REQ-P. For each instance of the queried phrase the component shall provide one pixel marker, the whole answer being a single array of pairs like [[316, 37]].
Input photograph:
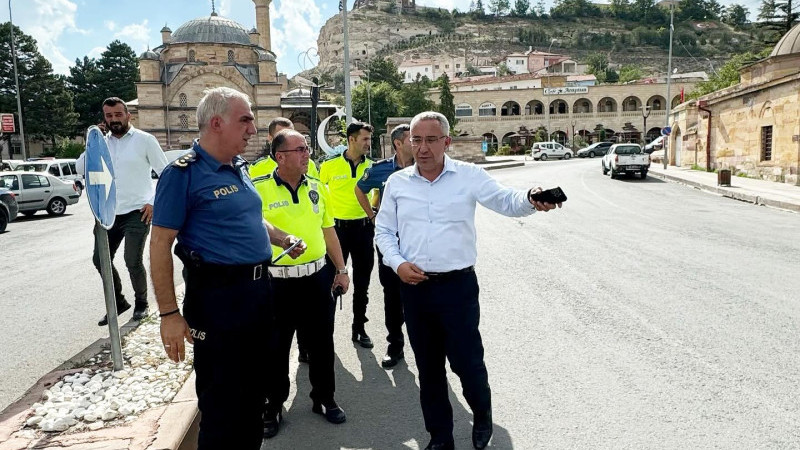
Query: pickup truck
[[626, 159]]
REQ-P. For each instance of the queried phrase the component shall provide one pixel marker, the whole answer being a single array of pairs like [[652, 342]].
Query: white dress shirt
[[133, 156], [435, 220]]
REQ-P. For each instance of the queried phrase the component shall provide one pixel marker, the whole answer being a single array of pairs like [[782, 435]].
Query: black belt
[[237, 271], [442, 275], [345, 223]]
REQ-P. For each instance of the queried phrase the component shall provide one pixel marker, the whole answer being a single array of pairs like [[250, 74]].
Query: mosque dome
[[789, 43], [264, 55], [149, 54], [298, 92], [211, 29]]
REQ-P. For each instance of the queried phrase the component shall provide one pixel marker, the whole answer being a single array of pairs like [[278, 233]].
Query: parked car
[[8, 165], [596, 149], [8, 207], [626, 159], [171, 155], [37, 191], [545, 150], [657, 144], [64, 169]]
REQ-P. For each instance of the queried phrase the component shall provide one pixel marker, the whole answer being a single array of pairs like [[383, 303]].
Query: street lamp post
[[369, 99], [573, 133], [645, 114]]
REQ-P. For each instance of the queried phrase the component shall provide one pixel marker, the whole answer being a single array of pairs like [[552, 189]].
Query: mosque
[[209, 52]]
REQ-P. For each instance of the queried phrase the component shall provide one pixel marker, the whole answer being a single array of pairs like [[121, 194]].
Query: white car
[[36, 191], [63, 169], [544, 150]]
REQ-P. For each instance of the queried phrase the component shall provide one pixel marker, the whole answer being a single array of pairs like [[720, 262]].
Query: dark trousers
[[232, 323], [304, 305], [130, 228], [355, 237], [392, 306], [442, 316]]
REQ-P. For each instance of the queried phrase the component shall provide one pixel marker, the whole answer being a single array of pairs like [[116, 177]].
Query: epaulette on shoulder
[[186, 159], [261, 178], [313, 178]]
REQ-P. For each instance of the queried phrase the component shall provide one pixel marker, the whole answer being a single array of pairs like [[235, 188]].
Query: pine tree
[[446, 105], [118, 71], [82, 82], [521, 7]]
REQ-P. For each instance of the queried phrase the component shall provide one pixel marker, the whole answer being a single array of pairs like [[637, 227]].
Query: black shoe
[[391, 360], [139, 312], [302, 356], [440, 445], [272, 424], [363, 340], [333, 412], [121, 308], [482, 431]]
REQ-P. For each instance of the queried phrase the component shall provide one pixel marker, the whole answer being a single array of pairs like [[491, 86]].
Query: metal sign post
[[101, 191]]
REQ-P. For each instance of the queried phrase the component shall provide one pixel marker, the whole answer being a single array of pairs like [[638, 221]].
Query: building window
[[184, 122], [458, 66], [437, 66], [766, 143], [231, 56], [487, 109], [182, 100], [191, 55], [426, 69], [447, 66], [463, 110]]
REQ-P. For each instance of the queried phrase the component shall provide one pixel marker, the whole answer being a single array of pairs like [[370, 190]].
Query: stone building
[[209, 52], [500, 113], [751, 128]]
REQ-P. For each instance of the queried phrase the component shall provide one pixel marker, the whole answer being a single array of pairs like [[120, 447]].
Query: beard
[[117, 127]]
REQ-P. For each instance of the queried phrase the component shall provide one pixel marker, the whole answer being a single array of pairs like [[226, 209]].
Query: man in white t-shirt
[[134, 154]]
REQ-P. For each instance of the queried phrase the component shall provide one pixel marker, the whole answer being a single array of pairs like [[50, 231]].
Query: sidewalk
[[760, 192]]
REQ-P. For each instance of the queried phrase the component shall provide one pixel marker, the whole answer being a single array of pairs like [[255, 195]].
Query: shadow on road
[[383, 412], [37, 217]]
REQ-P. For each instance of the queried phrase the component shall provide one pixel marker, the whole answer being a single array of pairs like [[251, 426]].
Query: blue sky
[[70, 29]]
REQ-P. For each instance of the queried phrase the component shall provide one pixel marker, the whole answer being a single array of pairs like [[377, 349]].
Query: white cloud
[[110, 24], [46, 21], [137, 35], [223, 7], [295, 26], [96, 52]]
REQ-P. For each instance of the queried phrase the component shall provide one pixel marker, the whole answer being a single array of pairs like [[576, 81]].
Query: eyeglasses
[[416, 141], [303, 149]]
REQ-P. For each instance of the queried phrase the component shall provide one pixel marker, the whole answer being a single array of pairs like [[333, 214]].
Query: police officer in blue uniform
[[206, 200], [375, 178]]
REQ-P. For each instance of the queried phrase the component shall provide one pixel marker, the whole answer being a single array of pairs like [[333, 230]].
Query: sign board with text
[[7, 123], [566, 90]]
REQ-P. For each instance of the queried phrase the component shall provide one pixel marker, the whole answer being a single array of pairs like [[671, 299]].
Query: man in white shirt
[[134, 154], [426, 232]]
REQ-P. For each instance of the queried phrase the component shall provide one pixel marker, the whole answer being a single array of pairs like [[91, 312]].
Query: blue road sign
[[666, 131], [484, 146], [101, 190]]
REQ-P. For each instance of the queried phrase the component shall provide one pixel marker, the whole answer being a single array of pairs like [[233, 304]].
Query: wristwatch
[[341, 271]]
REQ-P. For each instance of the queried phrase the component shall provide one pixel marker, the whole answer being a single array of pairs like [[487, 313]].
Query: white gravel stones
[[97, 397]]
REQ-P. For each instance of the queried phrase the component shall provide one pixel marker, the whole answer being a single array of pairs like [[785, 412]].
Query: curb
[[750, 198], [505, 165]]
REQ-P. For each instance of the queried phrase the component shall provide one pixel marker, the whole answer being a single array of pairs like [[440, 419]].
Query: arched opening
[[657, 103], [463, 110], [487, 109], [534, 108], [491, 142], [607, 105], [182, 100], [510, 108], [652, 134], [676, 101], [191, 55], [631, 103], [559, 107], [560, 137], [231, 56], [582, 106]]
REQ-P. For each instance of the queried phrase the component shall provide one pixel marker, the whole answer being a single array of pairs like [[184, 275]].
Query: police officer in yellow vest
[[302, 286], [354, 228], [266, 165]]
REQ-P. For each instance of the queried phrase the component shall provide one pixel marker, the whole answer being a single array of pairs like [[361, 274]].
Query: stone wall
[[466, 148]]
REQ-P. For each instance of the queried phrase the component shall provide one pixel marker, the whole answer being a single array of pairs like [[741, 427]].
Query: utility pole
[[16, 83], [669, 79], [645, 114], [369, 97], [348, 100]]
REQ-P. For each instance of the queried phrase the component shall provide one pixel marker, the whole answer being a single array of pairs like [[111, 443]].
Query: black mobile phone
[[554, 195]]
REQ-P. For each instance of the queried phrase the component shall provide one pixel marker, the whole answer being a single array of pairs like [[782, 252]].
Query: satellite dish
[[322, 142]]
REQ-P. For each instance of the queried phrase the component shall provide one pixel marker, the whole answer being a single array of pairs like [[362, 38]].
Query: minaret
[[262, 23]]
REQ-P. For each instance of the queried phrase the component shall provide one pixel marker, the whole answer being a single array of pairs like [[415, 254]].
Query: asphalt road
[[644, 314]]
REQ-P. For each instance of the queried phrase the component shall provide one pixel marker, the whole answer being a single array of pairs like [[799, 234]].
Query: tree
[[383, 101], [499, 7], [479, 11], [597, 65], [779, 15], [446, 105], [87, 100], [415, 97], [46, 103], [621, 9], [735, 15], [503, 70], [521, 7], [540, 9], [384, 70], [118, 71], [695, 10], [629, 72], [728, 74]]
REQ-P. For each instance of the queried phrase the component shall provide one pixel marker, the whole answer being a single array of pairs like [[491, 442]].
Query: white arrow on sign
[[103, 177]]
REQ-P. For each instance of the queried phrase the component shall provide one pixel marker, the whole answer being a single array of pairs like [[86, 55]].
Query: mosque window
[[191, 55], [182, 100], [184, 121], [230, 56], [766, 143]]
